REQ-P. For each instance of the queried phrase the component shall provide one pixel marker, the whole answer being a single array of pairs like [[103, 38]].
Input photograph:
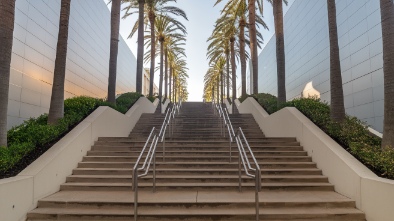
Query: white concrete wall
[[164, 106], [43, 177], [373, 195]]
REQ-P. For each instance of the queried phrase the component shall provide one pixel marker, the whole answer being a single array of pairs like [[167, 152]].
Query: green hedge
[[351, 134], [36, 132]]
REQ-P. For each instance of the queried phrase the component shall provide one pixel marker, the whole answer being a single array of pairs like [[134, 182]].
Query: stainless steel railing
[[150, 155], [249, 170], [244, 155]]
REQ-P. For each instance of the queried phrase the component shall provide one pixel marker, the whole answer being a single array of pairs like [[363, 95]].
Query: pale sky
[[202, 16]]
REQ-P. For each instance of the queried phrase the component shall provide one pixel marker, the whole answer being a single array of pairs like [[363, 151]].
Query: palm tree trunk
[[242, 55], [217, 90], [387, 16], [234, 76], [113, 55], [253, 44], [280, 50], [169, 89], [175, 88], [222, 87], [337, 104], [228, 73], [161, 74], [56, 110], [140, 49], [152, 52], [166, 73], [7, 12]]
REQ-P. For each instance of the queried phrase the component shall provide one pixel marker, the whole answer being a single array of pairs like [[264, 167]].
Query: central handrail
[[154, 137], [243, 159]]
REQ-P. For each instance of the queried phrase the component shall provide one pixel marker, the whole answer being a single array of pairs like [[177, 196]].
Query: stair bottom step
[[322, 214]]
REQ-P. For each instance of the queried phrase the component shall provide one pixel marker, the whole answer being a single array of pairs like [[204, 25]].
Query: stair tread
[[198, 211]]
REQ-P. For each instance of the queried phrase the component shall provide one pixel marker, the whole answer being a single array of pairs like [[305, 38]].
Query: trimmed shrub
[[352, 134], [35, 134]]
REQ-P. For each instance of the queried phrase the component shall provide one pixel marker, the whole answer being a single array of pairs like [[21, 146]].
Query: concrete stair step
[[201, 165], [199, 158], [127, 139], [197, 186], [195, 178], [187, 171], [200, 153], [192, 147]]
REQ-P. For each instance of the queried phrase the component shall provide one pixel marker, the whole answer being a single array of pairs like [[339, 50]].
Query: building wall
[[34, 52], [307, 55]]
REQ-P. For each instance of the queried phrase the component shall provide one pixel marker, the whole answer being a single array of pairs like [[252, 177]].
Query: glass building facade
[[34, 52], [308, 56]]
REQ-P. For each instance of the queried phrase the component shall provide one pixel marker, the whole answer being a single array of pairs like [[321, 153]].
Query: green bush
[[352, 134], [34, 133], [151, 98]]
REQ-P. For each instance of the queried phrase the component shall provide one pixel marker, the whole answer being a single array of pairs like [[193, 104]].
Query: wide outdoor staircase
[[196, 180]]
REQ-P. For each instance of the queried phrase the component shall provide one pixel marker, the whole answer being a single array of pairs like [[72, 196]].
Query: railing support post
[[135, 187], [239, 172]]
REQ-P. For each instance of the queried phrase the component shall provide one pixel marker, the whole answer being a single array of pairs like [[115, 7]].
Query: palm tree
[[237, 10], [213, 78], [168, 32], [387, 16], [253, 44], [113, 55], [337, 104], [166, 28], [56, 109], [140, 49], [152, 8], [7, 11], [219, 46], [280, 49]]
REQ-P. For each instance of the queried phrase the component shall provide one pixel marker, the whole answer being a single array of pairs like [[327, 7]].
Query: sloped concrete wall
[[43, 177], [373, 195]]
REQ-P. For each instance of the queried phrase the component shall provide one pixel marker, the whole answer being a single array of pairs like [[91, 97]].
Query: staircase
[[196, 181]]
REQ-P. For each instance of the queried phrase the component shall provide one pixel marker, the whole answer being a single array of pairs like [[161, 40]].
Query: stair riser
[[191, 166], [154, 206], [120, 172], [198, 180], [194, 159], [205, 188], [200, 154]]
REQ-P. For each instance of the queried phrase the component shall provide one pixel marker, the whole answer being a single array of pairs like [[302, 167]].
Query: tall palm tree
[[167, 28], [219, 46], [152, 9], [280, 49], [140, 49], [337, 104], [7, 12], [113, 55], [238, 11], [387, 17], [56, 109], [167, 31], [213, 78], [253, 42]]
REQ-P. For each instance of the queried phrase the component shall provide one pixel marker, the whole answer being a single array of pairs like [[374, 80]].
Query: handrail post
[[164, 149], [239, 173], [135, 187], [257, 197], [230, 149], [154, 171]]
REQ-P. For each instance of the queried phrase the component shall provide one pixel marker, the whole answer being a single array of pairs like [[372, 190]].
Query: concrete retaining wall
[[43, 177], [373, 195]]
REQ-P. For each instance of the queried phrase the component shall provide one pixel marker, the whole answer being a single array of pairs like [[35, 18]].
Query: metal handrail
[[153, 139], [240, 139], [243, 157]]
